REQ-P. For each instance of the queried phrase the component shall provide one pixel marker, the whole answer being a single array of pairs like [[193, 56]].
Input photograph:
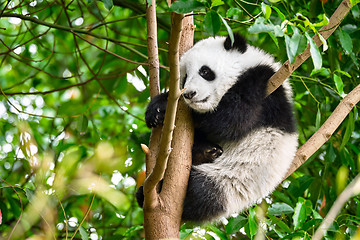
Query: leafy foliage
[[72, 115]]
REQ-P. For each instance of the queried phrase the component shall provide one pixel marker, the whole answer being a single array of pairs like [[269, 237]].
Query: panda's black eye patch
[[206, 73]]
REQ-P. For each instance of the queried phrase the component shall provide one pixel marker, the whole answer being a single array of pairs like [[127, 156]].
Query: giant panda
[[244, 140]]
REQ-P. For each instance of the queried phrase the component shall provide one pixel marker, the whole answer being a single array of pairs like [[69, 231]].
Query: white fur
[[211, 52], [251, 169]]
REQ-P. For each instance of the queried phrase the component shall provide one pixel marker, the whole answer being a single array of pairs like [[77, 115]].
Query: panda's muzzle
[[189, 95]]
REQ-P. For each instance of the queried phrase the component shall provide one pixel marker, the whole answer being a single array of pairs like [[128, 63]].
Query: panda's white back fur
[[262, 160]]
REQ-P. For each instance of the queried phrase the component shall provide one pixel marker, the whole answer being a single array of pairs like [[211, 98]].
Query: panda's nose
[[189, 95]]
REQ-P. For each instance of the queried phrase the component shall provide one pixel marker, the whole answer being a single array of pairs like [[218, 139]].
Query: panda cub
[[244, 140]]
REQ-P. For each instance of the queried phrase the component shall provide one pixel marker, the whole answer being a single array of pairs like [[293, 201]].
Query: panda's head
[[212, 66]]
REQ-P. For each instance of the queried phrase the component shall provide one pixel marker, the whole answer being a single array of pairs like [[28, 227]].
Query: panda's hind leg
[[205, 199]]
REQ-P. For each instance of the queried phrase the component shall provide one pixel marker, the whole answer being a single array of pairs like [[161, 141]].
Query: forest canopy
[[74, 85]]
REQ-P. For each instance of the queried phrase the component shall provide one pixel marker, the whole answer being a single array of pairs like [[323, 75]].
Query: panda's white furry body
[[244, 141]]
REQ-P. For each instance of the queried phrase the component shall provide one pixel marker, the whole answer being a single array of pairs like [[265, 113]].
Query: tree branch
[[154, 85], [154, 82], [286, 69], [351, 190], [326, 130], [162, 212], [169, 122]]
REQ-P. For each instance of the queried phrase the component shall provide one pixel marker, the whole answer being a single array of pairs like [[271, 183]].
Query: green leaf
[[339, 84], [292, 45], [84, 235], [280, 223], [330, 155], [230, 32], [212, 22], [259, 26], [186, 6], [316, 215], [252, 222], [299, 216], [82, 124], [342, 177], [149, 2], [218, 232], [322, 39], [281, 196], [266, 9], [272, 35], [215, 3], [315, 53], [29, 194], [349, 130], [133, 229], [185, 233], [318, 118], [108, 4], [343, 73], [354, 2], [281, 15], [233, 13], [323, 22], [280, 208], [345, 41], [235, 224]]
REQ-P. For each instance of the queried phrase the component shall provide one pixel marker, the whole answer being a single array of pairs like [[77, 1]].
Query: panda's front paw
[[154, 117], [205, 152], [155, 112], [214, 152]]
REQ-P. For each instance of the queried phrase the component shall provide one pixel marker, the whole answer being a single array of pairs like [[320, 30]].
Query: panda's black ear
[[239, 43]]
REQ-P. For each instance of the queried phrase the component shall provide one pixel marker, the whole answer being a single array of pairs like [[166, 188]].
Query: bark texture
[[162, 211]]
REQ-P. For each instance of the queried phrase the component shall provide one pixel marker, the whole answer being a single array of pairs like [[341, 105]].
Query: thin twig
[[351, 190], [83, 219]]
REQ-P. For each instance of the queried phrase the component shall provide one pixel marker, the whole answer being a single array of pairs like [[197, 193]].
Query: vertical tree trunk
[[162, 211]]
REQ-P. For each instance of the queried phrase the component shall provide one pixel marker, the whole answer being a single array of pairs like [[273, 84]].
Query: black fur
[[155, 112], [239, 43], [140, 196], [208, 195], [246, 101], [206, 73]]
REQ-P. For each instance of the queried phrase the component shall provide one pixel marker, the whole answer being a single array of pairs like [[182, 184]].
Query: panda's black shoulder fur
[[245, 107]]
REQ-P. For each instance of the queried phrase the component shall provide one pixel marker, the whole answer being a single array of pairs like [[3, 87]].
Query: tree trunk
[[162, 211]]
